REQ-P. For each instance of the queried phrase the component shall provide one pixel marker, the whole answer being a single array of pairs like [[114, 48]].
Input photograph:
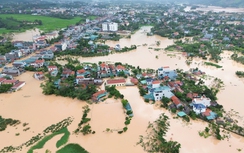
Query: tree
[[124, 102], [5, 88], [48, 88]]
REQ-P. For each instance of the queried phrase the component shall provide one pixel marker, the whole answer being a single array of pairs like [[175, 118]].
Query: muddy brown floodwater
[[31, 106], [26, 36]]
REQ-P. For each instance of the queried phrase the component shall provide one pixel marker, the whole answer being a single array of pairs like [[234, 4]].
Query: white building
[[160, 92], [113, 26], [203, 100], [105, 26], [110, 26]]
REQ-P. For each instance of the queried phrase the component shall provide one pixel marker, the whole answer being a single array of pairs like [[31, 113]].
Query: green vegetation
[[64, 139], [212, 64], [240, 74], [67, 88], [10, 23], [239, 59], [72, 148], [8, 121], [6, 48], [155, 140], [61, 142], [5, 88], [86, 129], [52, 130], [47, 23], [113, 92]]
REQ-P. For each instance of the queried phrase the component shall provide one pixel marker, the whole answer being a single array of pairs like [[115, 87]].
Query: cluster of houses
[[8, 79], [157, 89]]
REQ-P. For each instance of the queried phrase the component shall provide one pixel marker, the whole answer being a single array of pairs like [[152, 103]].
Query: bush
[[146, 100], [127, 122], [125, 129], [120, 132]]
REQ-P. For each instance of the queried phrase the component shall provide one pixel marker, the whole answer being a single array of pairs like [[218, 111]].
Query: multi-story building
[[110, 26]]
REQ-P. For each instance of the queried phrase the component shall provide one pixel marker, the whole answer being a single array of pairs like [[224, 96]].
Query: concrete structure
[[11, 71], [166, 71], [110, 26], [199, 108], [98, 95]]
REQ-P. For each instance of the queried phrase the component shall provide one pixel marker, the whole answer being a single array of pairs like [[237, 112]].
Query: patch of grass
[[72, 148], [48, 23], [41, 143], [212, 64], [64, 138]]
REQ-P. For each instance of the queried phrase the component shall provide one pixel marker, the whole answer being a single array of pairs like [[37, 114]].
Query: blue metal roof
[[199, 106]]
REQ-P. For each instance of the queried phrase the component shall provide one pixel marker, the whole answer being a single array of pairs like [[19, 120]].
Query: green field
[[62, 141], [48, 23], [72, 148]]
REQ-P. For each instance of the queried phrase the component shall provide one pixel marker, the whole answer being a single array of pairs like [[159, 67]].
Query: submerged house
[[176, 101], [199, 108], [158, 93], [128, 108], [115, 82], [96, 97]]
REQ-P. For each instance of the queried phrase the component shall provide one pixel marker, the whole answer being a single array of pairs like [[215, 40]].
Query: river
[[31, 106]]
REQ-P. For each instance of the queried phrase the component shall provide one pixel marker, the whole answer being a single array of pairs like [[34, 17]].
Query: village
[[55, 60]]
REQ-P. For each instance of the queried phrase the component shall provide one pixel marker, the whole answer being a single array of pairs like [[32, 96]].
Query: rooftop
[[115, 81]]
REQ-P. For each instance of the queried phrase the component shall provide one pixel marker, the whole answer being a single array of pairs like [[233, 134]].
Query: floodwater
[[26, 36], [31, 106], [216, 9]]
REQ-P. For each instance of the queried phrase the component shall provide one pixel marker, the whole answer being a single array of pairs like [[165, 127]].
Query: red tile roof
[[81, 71], [207, 112], [98, 93], [175, 100], [9, 81], [103, 65], [18, 84], [115, 81], [39, 73], [40, 61], [2, 79], [52, 67], [134, 80], [156, 82], [120, 67]]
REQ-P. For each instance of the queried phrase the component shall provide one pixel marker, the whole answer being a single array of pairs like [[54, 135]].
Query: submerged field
[[48, 23]]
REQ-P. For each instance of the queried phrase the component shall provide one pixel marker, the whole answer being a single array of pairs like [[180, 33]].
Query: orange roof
[[40, 61], [52, 66], [79, 77], [40, 73], [115, 81], [175, 100], [9, 81], [207, 112], [120, 67], [98, 93], [156, 82], [166, 67], [81, 71], [103, 65]]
